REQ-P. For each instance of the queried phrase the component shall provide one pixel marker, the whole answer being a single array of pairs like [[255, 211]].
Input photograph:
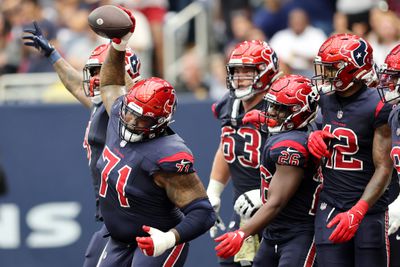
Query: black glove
[[37, 40]]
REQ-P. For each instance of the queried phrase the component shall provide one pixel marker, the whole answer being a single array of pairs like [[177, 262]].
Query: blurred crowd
[[294, 28]]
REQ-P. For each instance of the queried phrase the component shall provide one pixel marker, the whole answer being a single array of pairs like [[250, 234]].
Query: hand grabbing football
[[111, 22]]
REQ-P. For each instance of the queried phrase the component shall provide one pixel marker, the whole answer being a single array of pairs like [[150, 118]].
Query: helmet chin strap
[[273, 126], [96, 99], [244, 94], [129, 136], [391, 95]]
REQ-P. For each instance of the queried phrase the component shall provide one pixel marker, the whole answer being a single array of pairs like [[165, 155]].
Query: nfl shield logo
[[323, 206], [339, 114], [398, 131]]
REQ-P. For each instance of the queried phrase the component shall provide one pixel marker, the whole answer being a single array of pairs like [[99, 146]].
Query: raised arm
[[72, 80], [112, 77], [70, 77], [112, 74]]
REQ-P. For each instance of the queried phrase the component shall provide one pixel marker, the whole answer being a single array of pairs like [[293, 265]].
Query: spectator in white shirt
[[297, 45]]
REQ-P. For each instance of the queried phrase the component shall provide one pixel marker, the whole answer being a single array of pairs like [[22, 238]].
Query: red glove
[[348, 222], [120, 43], [316, 143], [252, 117], [231, 243]]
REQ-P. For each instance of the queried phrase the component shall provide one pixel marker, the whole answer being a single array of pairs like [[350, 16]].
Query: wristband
[[120, 47], [215, 188], [54, 56]]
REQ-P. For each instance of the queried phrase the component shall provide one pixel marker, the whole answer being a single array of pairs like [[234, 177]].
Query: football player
[[151, 199], [389, 89], [252, 67], [289, 180], [351, 219], [86, 90]]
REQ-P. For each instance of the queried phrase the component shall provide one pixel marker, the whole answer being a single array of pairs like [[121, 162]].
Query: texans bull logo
[[360, 53], [135, 63]]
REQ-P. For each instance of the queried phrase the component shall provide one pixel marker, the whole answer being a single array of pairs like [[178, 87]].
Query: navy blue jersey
[[242, 144], [349, 168], [129, 197], [290, 148], [95, 138]]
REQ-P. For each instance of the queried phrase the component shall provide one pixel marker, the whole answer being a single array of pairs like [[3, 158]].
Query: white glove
[[214, 191], [219, 224], [394, 216], [157, 243], [248, 203], [120, 44]]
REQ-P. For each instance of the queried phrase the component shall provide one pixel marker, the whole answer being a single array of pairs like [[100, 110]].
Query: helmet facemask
[[327, 76], [91, 82], [243, 80], [278, 116], [135, 127], [389, 85], [291, 103]]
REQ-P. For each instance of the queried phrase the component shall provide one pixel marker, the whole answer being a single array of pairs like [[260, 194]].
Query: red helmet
[[256, 55], [342, 60], [291, 103], [389, 76], [91, 71], [147, 109]]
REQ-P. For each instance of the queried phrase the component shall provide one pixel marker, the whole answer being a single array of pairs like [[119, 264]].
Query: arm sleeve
[[199, 217]]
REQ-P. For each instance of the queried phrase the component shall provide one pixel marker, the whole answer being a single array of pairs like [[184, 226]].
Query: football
[[109, 21]]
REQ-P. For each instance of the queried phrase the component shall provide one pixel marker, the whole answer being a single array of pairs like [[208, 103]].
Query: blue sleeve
[[199, 217]]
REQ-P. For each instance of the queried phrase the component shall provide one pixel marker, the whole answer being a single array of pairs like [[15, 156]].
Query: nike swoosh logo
[[290, 150], [351, 218], [397, 237]]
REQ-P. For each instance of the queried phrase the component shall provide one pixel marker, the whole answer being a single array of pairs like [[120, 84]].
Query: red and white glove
[[348, 222], [121, 43], [157, 243], [316, 143], [231, 243], [252, 117]]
